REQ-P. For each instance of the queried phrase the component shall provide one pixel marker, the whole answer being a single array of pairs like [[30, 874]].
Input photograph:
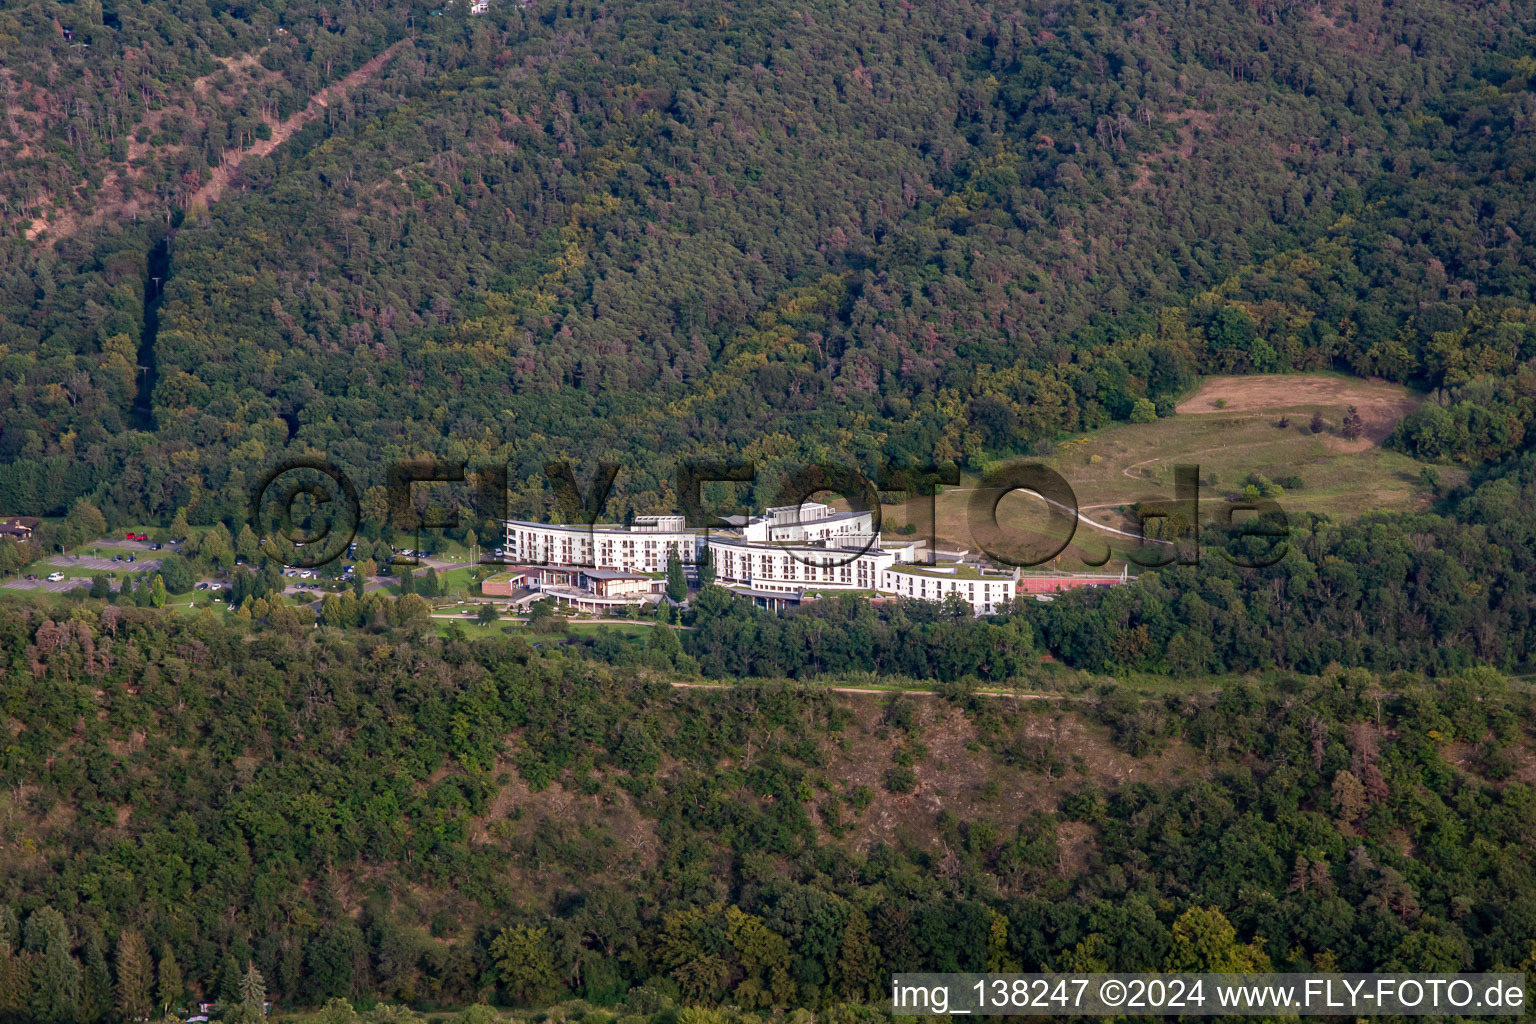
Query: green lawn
[[1128, 462]]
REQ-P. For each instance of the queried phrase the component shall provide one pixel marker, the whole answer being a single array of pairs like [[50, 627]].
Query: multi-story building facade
[[785, 568], [984, 590], [781, 556], [643, 546]]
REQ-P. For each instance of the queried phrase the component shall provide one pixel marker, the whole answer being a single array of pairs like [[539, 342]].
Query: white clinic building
[[644, 546], [790, 569], [985, 591], [779, 557]]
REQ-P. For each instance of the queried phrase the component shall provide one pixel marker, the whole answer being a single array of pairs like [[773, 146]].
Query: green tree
[[14, 970], [428, 584], [1353, 425], [85, 522], [228, 990], [337, 1011], [157, 594], [170, 989], [525, 963], [216, 547], [1204, 940], [95, 977], [135, 976], [1349, 798], [677, 584], [334, 956], [247, 545], [253, 990], [178, 573], [1143, 411], [487, 614], [858, 960], [55, 972]]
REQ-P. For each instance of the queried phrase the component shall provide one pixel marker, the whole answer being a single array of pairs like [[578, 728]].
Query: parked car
[[129, 558], [55, 577], [202, 586], [31, 575]]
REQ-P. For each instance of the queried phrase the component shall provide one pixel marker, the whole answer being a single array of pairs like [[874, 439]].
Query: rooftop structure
[[775, 558], [19, 527]]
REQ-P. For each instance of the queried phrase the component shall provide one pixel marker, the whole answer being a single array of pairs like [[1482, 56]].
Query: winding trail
[[1100, 526]]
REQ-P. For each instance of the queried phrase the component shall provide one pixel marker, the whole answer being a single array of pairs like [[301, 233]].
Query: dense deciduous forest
[[382, 815], [557, 230], [856, 232]]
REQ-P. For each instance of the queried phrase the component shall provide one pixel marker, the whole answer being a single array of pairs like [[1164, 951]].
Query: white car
[[55, 577]]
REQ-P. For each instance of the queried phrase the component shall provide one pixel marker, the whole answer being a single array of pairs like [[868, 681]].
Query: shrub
[[901, 779]]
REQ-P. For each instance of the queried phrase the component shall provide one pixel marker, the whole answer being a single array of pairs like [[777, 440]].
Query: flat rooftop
[[954, 571], [636, 531]]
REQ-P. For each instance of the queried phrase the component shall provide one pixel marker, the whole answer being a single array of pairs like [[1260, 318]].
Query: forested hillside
[[116, 111], [377, 814], [774, 231], [843, 230]]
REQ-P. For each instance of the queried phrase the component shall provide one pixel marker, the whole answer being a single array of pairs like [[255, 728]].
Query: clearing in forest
[[1231, 427]]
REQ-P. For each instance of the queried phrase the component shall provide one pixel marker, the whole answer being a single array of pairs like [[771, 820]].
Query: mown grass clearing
[[1231, 427]]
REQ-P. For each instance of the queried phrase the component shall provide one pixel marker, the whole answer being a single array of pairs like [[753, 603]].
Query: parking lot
[[105, 564], [44, 584], [130, 545]]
